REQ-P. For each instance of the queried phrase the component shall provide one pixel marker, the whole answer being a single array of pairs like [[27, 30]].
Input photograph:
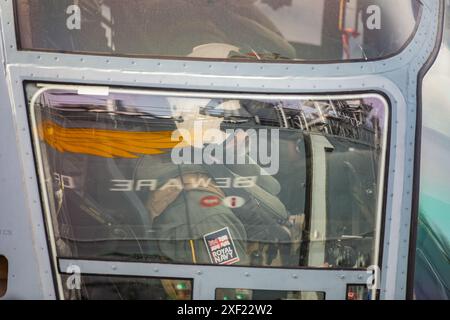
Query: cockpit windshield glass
[[222, 179], [249, 30]]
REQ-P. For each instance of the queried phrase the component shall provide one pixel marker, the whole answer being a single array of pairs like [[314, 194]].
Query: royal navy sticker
[[221, 248]]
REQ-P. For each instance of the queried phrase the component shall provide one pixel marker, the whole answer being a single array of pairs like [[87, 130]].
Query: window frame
[[217, 60], [381, 202]]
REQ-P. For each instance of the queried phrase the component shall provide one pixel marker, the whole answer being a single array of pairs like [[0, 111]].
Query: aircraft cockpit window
[[251, 294], [249, 30], [221, 179], [128, 288]]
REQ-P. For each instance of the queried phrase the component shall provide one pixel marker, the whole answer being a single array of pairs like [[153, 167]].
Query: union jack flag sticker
[[221, 248]]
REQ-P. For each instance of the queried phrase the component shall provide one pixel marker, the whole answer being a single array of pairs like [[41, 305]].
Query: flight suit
[[185, 224], [181, 221]]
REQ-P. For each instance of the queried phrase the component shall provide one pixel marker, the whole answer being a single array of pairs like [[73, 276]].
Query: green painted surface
[[432, 276]]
